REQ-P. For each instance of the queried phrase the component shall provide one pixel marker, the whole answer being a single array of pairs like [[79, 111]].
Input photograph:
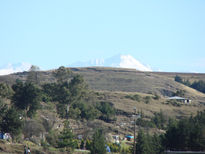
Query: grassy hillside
[[118, 79], [126, 89]]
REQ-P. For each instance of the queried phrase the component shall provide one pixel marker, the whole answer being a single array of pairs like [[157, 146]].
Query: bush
[[108, 111], [147, 99], [114, 147], [135, 97]]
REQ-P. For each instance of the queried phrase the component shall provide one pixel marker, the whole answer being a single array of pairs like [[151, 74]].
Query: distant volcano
[[122, 61]]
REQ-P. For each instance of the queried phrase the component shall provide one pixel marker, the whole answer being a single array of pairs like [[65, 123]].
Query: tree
[[143, 146], [33, 75], [178, 79], [78, 89], [66, 138], [186, 134], [11, 122], [27, 97], [107, 110], [98, 143], [62, 74], [3, 109], [159, 120], [157, 146], [5, 90], [83, 110], [199, 85]]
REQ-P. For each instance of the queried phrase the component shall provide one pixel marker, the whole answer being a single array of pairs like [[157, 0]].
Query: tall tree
[[98, 143], [78, 89], [27, 97], [33, 75], [66, 138], [142, 145]]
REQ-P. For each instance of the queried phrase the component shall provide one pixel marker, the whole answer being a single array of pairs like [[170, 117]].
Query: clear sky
[[165, 34]]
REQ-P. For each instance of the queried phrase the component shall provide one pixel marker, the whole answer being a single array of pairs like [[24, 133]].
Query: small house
[[180, 99]]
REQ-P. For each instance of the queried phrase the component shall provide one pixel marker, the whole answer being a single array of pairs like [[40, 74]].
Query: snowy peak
[[13, 68], [128, 61], [122, 61]]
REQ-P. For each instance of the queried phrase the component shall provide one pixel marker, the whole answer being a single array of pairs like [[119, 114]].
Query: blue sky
[[167, 35]]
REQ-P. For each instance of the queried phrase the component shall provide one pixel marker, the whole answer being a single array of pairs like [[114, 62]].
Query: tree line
[[187, 134], [198, 85]]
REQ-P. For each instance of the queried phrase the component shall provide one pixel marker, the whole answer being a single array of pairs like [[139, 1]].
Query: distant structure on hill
[[181, 99]]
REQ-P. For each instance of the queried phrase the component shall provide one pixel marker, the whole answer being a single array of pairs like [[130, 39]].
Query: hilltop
[[121, 79]]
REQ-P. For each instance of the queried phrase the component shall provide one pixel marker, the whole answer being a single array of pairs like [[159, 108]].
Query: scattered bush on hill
[[135, 97]]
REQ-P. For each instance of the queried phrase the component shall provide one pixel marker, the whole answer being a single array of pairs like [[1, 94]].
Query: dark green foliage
[[157, 145], [180, 93], [52, 138], [5, 91], [33, 75], [147, 99], [84, 111], [98, 143], [145, 123], [156, 97], [135, 97], [187, 83], [88, 144], [11, 122], [82, 144], [71, 97], [49, 92], [142, 144], [108, 111], [147, 144], [66, 138], [61, 109], [187, 134], [199, 85], [3, 108], [78, 89], [178, 79], [159, 120], [114, 147], [62, 74], [26, 97]]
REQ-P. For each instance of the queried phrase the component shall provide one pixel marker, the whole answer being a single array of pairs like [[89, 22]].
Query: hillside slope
[[125, 80]]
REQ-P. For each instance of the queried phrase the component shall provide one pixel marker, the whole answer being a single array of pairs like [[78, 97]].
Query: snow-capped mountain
[[122, 61], [13, 68]]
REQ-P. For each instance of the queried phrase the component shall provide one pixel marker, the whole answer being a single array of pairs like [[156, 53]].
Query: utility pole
[[134, 130]]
